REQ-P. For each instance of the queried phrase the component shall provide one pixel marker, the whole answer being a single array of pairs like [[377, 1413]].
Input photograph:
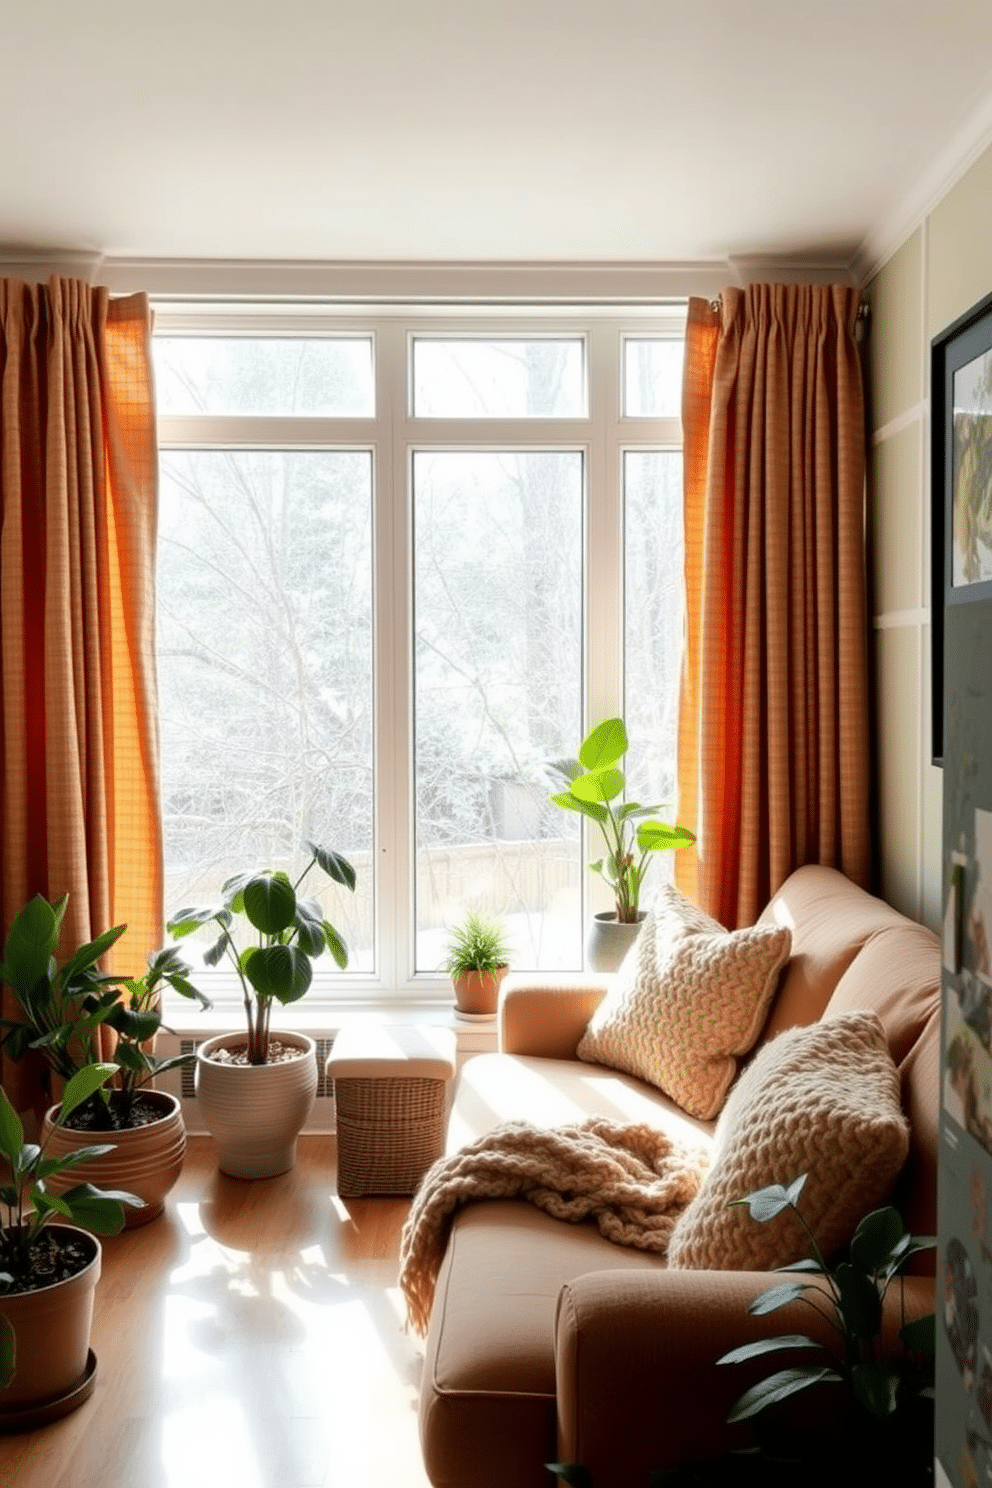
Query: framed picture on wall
[[960, 482]]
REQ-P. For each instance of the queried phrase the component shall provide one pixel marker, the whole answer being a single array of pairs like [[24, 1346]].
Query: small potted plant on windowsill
[[477, 960], [64, 1010], [594, 787], [48, 1267], [256, 1089]]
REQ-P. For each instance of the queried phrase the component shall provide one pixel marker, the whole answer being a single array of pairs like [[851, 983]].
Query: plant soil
[[104, 1117], [278, 1053], [52, 1258]]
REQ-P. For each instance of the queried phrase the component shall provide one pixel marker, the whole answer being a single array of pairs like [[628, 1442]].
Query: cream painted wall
[[937, 274]]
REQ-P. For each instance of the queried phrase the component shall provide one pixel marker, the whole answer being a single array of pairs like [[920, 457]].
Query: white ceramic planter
[[146, 1160], [255, 1112], [609, 940]]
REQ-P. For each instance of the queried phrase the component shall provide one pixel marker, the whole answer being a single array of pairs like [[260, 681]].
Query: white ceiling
[[612, 131]]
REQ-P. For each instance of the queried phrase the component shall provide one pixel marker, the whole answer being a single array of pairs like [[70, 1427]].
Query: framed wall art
[[960, 482]]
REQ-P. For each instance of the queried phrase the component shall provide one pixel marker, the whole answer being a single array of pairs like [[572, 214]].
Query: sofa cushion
[[689, 1001], [821, 1100]]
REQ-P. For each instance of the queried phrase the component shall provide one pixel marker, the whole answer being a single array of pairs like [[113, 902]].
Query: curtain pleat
[[79, 793], [773, 733]]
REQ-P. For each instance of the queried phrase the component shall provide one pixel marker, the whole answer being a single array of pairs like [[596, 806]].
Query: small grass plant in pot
[[594, 787], [50, 1262], [477, 960], [77, 1016], [256, 1088]]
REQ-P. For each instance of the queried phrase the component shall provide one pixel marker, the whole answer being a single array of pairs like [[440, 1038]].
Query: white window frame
[[393, 434]]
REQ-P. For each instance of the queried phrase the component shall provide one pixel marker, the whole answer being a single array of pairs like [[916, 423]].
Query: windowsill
[[318, 1018]]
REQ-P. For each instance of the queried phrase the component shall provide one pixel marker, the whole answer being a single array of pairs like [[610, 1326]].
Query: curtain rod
[[864, 309]]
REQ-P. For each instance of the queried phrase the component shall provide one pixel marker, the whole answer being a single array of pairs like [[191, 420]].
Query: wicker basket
[[390, 1131]]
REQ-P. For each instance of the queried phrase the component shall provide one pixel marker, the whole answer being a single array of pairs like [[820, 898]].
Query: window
[[403, 564]]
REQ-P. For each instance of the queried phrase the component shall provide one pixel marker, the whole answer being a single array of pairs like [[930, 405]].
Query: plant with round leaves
[[28, 1205], [595, 785], [288, 932], [63, 1008]]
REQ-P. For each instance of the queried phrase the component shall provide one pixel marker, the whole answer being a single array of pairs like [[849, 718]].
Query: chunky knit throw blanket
[[632, 1180]]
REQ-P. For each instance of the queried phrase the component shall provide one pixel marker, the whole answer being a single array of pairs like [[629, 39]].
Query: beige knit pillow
[[688, 1002], [821, 1100]]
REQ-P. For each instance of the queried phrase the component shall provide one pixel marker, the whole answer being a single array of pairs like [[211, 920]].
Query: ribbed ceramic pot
[[477, 992], [609, 940], [255, 1112], [52, 1339], [146, 1160]]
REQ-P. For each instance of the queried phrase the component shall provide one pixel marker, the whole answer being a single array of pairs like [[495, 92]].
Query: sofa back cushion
[[830, 919]]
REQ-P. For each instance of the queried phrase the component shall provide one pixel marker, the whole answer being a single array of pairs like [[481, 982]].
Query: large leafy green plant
[[27, 1205], [595, 787], [65, 1006], [287, 932]]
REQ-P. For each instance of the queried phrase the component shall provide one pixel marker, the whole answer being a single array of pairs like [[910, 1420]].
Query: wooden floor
[[250, 1338]]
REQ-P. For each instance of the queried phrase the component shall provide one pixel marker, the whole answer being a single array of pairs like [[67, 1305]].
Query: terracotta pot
[[146, 1160], [255, 1112], [609, 940], [55, 1370], [477, 992]]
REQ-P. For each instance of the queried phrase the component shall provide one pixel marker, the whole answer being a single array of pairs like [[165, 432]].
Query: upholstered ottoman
[[391, 1102]]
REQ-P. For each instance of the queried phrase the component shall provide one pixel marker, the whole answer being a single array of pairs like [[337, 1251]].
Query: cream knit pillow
[[821, 1100], [688, 1002]]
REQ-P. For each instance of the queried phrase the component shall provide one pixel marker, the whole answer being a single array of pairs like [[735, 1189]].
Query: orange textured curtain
[[773, 729], [79, 790]]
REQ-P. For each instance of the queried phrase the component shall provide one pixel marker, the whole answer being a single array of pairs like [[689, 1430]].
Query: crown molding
[[954, 161]]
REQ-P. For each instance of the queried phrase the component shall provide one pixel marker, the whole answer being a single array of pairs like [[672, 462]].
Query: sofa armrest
[[635, 1351], [547, 1015]]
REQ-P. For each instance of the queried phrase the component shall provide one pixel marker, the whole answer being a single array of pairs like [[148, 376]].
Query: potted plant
[[65, 1007], [49, 1268], [887, 1396], [595, 785], [256, 1090], [477, 960]]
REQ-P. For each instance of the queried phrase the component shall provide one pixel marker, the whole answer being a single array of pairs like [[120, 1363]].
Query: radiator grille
[[325, 1087]]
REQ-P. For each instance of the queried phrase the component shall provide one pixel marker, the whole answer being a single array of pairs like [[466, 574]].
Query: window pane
[[498, 669], [317, 377], [498, 379], [653, 604], [652, 377], [265, 672]]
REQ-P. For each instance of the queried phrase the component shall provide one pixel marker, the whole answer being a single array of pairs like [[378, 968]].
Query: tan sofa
[[548, 1342]]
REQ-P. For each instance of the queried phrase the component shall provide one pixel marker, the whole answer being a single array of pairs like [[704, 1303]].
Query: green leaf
[[310, 935], [598, 785], [99, 1210], [132, 1024], [779, 1387], [84, 1083], [779, 1296], [592, 809], [87, 955], [188, 921], [606, 744], [875, 1238], [572, 1473], [68, 1160], [919, 1336], [185, 988], [270, 902], [334, 865], [215, 953], [279, 971], [859, 1304], [11, 1131], [31, 943], [876, 1387], [336, 945], [768, 1203], [769, 1346], [652, 835]]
